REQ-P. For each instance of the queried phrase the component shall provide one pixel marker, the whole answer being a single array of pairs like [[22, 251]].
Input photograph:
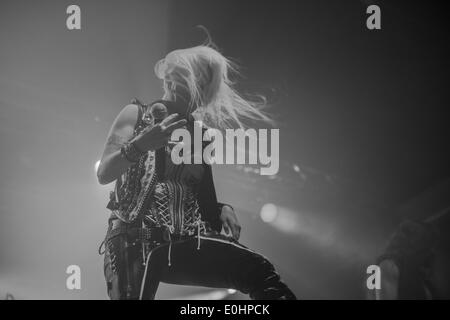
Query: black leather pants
[[215, 262]]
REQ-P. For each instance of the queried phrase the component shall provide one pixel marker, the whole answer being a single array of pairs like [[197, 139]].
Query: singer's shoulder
[[130, 111], [128, 115]]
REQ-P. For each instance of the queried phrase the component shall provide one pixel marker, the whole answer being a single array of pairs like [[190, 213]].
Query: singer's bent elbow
[[102, 176], [102, 180]]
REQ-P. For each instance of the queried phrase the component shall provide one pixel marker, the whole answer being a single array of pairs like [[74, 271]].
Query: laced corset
[[183, 199], [174, 200]]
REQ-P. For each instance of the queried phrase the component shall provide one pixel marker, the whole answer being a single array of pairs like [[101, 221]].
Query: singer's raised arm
[[122, 148], [112, 164]]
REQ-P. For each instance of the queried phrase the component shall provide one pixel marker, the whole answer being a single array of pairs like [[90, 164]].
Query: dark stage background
[[363, 118]]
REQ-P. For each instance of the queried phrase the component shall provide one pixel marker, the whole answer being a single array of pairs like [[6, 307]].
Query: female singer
[[166, 224]]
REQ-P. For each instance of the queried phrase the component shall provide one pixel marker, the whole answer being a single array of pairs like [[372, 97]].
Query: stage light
[[296, 168], [97, 164], [269, 212], [304, 224]]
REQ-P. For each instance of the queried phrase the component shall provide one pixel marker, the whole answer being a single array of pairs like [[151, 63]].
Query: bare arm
[[112, 164]]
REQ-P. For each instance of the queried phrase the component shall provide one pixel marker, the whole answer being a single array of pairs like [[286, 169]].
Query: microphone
[[159, 112]]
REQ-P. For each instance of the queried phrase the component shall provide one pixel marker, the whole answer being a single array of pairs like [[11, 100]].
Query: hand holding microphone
[[158, 135]]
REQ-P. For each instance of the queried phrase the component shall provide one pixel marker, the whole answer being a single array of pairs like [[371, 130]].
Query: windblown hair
[[204, 74]]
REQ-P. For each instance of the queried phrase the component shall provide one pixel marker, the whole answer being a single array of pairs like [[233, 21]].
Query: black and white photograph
[[229, 150]]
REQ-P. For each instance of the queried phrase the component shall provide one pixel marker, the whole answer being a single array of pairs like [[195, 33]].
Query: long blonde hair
[[204, 73]]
